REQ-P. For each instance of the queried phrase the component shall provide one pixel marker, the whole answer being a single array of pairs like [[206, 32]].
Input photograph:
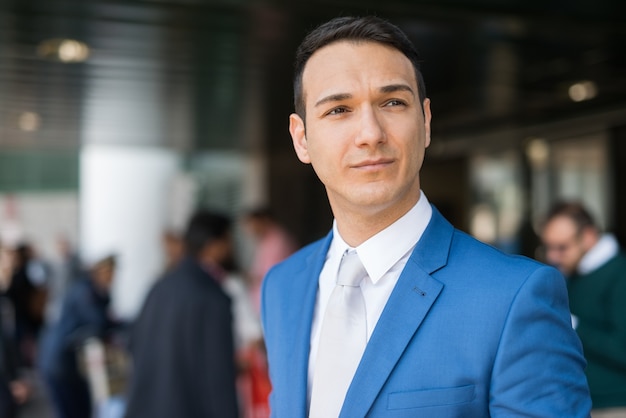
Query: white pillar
[[124, 194], [134, 130]]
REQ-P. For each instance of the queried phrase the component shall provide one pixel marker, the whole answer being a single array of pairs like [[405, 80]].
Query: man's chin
[[564, 271]]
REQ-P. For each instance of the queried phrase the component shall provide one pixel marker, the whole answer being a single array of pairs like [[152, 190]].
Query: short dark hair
[[573, 210], [205, 227], [356, 29], [262, 213], [108, 261]]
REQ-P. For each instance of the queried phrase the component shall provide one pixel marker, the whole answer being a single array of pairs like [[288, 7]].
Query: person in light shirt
[[453, 327]]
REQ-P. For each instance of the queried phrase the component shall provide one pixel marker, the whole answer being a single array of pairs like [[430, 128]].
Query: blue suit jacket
[[467, 332]]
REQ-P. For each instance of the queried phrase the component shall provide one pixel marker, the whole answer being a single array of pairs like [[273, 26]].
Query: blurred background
[[118, 118]]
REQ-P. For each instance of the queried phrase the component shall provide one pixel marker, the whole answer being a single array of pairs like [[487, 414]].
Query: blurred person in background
[[272, 242], [84, 314], [64, 271], [27, 291], [8, 372], [596, 272], [182, 341], [173, 248], [13, 390], [247, 333]]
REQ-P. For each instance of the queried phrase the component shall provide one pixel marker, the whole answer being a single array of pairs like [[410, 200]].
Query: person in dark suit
[[447, 326], [182, 341]]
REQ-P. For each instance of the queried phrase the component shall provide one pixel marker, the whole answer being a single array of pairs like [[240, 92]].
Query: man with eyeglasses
[[596, 272]]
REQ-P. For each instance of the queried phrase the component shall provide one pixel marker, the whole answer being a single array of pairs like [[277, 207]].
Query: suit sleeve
[[539, 368]]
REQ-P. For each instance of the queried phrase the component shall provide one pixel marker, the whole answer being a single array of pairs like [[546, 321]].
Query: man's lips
[[373, 164]]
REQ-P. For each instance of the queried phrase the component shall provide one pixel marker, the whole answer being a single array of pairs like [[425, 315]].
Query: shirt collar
[[604, 250], [382, 251]]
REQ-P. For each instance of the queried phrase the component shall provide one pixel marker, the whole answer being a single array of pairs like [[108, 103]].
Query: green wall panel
[[38, 171]]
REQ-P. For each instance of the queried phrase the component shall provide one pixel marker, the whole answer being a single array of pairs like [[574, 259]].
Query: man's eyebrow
[[344, 96], [396, 87], [333, 98]]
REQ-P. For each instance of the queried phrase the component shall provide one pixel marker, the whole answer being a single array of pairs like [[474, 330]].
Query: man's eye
[[337, 111], [395, 102]]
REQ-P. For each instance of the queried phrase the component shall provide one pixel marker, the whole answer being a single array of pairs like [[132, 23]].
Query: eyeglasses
[[562, 246]]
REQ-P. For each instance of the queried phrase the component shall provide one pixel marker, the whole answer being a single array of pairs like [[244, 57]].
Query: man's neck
[[357, 226]]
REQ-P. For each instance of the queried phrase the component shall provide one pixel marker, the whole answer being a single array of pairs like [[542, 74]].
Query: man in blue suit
[[454, 328]]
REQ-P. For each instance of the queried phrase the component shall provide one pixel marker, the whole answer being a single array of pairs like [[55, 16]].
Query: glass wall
[[512, 190]]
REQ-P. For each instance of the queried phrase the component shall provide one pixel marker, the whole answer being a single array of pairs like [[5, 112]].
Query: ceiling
[[202, 74]]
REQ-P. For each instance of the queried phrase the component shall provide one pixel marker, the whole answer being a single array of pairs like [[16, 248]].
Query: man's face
[[365, 133], [254, 227], [218, 251], [103, 276], [564, 244]]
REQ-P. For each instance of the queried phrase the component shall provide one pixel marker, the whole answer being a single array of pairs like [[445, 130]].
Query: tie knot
[[351, 270]]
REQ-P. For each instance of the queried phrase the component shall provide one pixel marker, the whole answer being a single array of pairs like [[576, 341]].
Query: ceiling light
[[64, 50], [29, 121], [537, 151], [583, 90]]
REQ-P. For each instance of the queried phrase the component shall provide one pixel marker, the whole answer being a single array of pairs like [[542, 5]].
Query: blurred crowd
[[31, 291], [195, 349], [48, 311]]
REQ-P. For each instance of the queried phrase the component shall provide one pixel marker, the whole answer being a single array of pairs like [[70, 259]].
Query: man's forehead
[[330, 58], [336, 47], [561, 224]]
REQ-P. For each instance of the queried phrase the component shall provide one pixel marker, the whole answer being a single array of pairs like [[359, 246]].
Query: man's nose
[[553, 256], [371, 128]]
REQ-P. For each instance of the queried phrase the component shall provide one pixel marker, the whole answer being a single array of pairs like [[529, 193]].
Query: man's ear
[[589, 237], [298, 136], [427, 118]]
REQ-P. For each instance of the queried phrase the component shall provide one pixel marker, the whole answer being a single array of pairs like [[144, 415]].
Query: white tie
[[342, 340]]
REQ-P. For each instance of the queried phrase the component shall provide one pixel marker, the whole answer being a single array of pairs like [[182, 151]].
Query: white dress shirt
[[384, 256]]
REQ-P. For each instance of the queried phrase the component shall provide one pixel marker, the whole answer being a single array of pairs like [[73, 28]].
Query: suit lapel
[[301, 306], [408, 305]]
